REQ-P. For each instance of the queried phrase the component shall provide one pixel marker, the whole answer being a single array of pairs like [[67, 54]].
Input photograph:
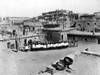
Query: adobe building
[[8, 43], [55, 35], [32, 26], [85, 37], [56, 25], [87, 23], [32, 31], [88, 29], [73, 17]]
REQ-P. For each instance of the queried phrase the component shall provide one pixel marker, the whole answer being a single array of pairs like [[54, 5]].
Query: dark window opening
[[79, 24], [30, 42], [73, 38], [33, 28], [94, 23], [74, 25], [88, 23], [14, 32], [25, 42], [50, 35], [3, 18], [62, 37], [85, 39], [8, 45]]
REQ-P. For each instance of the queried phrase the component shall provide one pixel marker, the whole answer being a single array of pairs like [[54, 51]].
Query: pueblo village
[[57, 42]]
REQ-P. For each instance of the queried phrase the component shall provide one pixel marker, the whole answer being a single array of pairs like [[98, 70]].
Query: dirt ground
[[29, 63]]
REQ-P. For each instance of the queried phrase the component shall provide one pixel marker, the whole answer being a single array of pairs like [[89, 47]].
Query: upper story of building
[[57, 18], [13, 20]]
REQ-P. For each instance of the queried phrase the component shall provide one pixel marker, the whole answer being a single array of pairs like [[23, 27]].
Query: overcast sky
[[31, 8]]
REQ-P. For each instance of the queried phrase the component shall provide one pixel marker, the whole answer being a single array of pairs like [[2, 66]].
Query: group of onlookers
[[44, 46]]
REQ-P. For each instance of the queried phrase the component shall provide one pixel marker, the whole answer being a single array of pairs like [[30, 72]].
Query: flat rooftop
[[59, 29], [75, 32]]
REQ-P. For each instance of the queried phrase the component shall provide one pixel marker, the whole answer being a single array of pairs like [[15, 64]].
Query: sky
[[32, 8]]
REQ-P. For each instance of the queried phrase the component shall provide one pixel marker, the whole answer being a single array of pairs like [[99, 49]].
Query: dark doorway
[[99, 40], [25, 41], [62, 37], [30, 42], [8, 45], [14, 32], [16, 43], [86, 39]]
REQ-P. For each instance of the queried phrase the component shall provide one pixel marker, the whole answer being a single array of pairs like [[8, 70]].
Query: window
[[3, 18], [14, 32], [62, 37], [12, 46], [30, 42], [88, 23], [95, 24], [50, 35], [79, 24], [33, 28], [25, 41], [8, 45], [85, 39]]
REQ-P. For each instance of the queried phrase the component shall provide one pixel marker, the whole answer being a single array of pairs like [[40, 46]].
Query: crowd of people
[[45, 46]]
